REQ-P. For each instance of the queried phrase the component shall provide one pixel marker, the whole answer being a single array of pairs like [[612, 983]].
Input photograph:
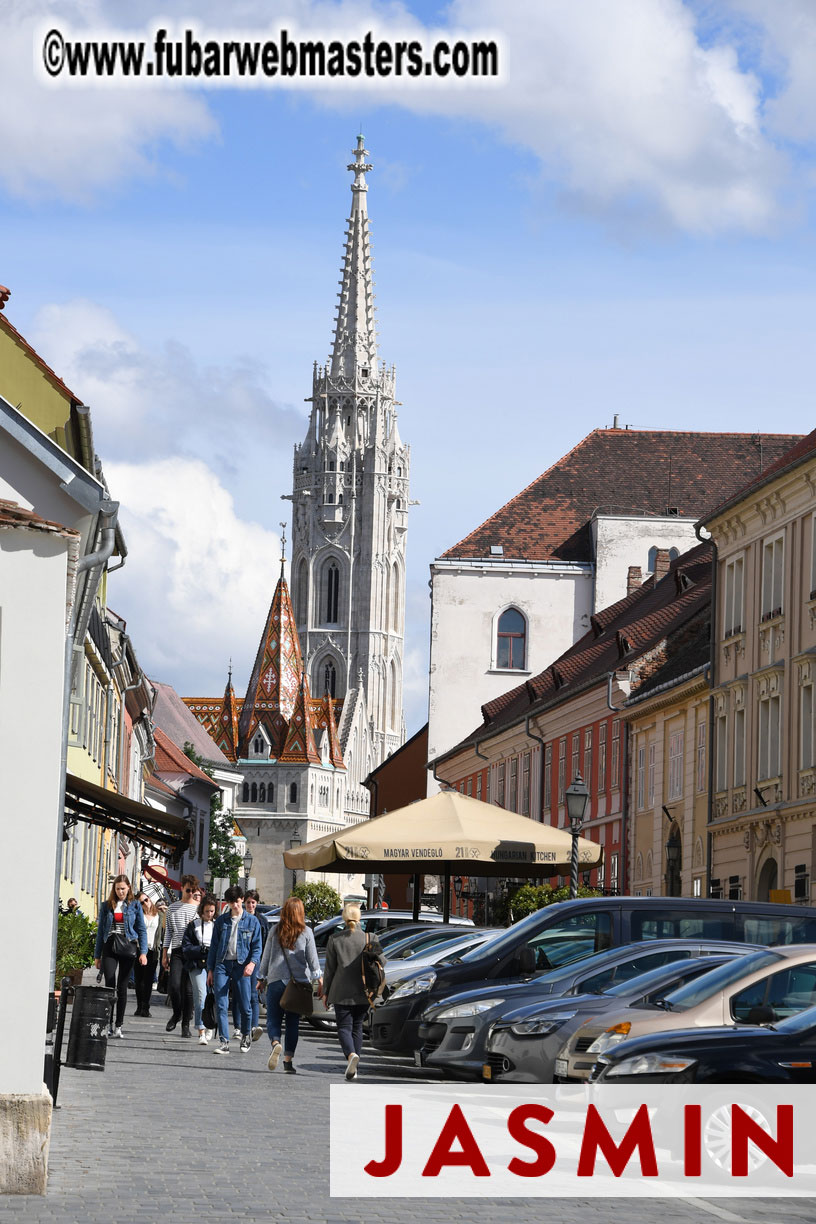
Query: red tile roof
[[170, 759], [621, 471], [14, 515], [804, 449], [636, 628]]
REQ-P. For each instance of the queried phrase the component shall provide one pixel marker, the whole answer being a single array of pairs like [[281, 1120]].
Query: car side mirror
[[763, 1013]]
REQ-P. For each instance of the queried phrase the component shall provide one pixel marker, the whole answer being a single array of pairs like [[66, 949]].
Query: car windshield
[[799, 1023], [664, 976], [718, 979], [511, 937]]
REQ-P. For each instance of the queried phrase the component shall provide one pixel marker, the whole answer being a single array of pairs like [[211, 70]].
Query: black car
[[782, 1053]]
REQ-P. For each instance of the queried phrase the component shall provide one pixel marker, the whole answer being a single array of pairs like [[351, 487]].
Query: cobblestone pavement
[[169, 1131]]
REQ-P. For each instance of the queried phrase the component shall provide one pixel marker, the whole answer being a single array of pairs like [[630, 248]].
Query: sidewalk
[[171, 1132]]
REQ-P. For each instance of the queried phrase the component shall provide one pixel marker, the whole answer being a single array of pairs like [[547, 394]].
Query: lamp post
[[294, 842], [457, 892], [674, 850], [247, 862], [577, 799]]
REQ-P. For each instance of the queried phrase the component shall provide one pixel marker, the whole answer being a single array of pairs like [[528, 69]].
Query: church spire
[[355, 338], [273, 686], [227, 732]]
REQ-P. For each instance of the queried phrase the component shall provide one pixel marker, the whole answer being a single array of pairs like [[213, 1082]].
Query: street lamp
[[577, 799], [247, 862], [674, 850], [294, 842], [457, 892]]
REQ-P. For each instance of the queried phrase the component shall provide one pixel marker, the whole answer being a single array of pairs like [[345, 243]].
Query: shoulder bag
[[297, 996], [373, 974], [120, 945]]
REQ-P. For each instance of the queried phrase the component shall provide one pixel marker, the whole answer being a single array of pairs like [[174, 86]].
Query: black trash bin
[[88, 1035]]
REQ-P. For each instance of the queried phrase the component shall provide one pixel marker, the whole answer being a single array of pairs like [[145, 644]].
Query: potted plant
[[76, 936]]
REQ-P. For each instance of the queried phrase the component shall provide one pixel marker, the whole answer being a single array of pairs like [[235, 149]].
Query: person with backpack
[[349, 982]]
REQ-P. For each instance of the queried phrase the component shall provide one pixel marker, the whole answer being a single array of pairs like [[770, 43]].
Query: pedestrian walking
[[290, 954], [251, 899], [144, 974], [195, 948], [344, 983], [234, 953], [121, 937], [179, 986]]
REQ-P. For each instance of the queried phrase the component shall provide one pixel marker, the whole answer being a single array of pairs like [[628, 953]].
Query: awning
[[158, 831]]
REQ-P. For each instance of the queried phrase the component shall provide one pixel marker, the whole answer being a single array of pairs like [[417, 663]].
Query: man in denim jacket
[[234, 953]]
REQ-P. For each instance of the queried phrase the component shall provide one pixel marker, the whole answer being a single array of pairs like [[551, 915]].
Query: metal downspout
[[533, 736], [712, 680]]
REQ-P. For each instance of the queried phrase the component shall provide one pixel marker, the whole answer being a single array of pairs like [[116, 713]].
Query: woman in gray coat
[[343, 983]]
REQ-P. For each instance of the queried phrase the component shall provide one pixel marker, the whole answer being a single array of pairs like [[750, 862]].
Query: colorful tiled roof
[[300, 747], [621, 471], [275, 681], [636, 634]]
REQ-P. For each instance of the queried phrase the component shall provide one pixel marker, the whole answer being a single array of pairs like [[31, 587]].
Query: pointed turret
[[335, 753], [227, 733], [273, 687], [355, 338], [300, 747]]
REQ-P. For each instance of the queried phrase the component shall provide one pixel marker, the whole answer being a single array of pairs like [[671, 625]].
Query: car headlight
[[539, 1026], [417, 985], [475, 1008], [612, 1037], [650, 1064]]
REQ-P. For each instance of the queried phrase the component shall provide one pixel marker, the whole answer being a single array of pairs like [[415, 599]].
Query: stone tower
[[350, 504]]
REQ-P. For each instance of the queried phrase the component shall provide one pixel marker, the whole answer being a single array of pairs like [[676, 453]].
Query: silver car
[[758, 988]]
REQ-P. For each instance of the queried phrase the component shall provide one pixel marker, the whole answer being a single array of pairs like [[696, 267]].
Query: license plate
[[561, 1066], [487, 1072], [418, 1057]]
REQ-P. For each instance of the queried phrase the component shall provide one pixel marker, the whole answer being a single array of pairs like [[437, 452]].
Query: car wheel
[[323, 1024]]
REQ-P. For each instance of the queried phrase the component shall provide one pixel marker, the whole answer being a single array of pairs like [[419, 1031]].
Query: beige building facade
[[763, 808]]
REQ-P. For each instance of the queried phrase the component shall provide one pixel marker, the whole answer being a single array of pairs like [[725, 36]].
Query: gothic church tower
[[350, 505]]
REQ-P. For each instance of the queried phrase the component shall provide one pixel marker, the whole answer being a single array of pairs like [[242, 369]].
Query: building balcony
[[806, 783], [771, 632]]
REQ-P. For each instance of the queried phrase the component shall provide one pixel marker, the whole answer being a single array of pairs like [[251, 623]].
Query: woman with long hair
[[290, 952], [121, 937], [143, 974], [345, 985], [195, 947]]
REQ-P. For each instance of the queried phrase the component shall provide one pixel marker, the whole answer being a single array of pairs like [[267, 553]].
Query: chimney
[[661, 564], [634, 579]]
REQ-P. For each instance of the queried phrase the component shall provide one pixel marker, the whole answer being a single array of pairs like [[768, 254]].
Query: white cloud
[[624, 105], [198, 579]]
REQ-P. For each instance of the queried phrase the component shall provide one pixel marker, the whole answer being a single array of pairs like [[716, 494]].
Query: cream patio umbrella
[[448, 831]]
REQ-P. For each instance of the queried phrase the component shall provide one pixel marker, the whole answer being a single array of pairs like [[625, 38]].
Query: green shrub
[[320, 900], [531, 897], [76, 936]]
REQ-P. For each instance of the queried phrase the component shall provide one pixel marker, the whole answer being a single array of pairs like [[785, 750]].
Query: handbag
[[297, 996], [208, 1016], [374, 985], [120, 945]]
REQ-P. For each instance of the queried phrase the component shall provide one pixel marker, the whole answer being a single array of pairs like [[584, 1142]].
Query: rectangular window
[[697, 886], [716, 890], [500, 784], [602, 758], [650, 776], [702, 729], [588, 757], [806, 748], [734, 888], [722, 752], [575, 763], [513, 789], [676, 765], [733, 602], [641, 778], [478, 786], [773, 575], [601, 875], [615, 754], [769, 735], [525, 784], [562, 769], [548, 777], [739, 747], [613, 871], [470, 787], [801, 883]]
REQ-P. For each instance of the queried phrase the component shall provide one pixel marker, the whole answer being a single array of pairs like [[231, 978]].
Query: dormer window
[[258, 746]]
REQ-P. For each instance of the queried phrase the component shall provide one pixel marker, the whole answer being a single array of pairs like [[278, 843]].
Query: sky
[[622, 224]]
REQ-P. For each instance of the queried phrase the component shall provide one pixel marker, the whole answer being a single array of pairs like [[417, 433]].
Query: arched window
[[331, 465], [340, 500], [330, 499], [331, 593], [270, 793], [393, 697], [293, 792], [262, 793], [258, 746], [302, 593], [511, 639], [254, 792], [329, 678], [395, 597], [245, 793]]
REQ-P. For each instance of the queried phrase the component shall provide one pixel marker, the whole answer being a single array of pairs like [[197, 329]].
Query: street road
[[171, 1132]]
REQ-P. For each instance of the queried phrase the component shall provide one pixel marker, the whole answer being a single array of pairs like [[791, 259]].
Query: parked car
[[455, 947], [382, 920], [419, 940], [783, 1053], [571, 930], [454, 1032], [522, 1045], [764, 986]]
